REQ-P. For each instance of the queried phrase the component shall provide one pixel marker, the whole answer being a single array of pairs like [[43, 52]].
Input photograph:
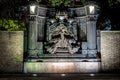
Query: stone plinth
[[11, 51], [61, 67], [110, 50]]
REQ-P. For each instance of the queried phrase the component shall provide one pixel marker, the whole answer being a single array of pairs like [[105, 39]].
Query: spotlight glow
[[61, 64], [62, 17], [92, 9], [52, 20], [34, 75], [32, 9], [63, 75], [92, 75], [62, 67]]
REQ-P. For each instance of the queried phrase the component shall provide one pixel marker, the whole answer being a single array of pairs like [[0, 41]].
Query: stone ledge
[[61, 67]]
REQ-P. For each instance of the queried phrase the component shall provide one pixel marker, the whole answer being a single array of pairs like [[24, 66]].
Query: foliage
[[11, 25], [9, 8], [110, 10], [83, 1], [38, 0], [112, 2], [59, 2], [56, 2]]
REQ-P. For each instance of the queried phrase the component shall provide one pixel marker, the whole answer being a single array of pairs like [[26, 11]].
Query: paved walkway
[[44, 76]]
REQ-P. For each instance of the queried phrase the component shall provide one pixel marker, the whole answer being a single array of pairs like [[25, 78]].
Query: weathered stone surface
[[110, 50], [80, 11], [61, 67], [11, 51]]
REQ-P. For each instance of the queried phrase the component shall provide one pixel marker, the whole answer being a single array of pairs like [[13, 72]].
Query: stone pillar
[[98, 41], [32, 33], [74, 27], [41, 28], [91, 34], [36, 30], [41, 23], [48, 30], [81, 20], [83, 29]]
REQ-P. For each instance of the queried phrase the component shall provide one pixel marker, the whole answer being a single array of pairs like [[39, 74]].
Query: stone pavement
[[70, 76]]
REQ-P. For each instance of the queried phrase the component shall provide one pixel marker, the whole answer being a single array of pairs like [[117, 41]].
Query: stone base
[[61, 67]]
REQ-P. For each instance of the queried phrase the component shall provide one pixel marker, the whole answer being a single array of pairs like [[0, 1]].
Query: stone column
[[32, 36], [36, 32], [83, 28], [98, 41], [91, 34], [81, 20], [75, 30], [41, 22], [41, 28]]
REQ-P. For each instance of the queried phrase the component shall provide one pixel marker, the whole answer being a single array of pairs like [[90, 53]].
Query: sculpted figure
[[62, 42]]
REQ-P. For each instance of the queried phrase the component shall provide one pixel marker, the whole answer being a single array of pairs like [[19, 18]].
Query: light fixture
[[92, 9], [61, 17], [70, 20], [63, 75], [52, 20], [34, 75], [92, 75], [32, 9]]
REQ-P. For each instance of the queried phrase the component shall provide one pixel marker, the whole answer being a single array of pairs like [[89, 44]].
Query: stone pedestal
[[61, 67]]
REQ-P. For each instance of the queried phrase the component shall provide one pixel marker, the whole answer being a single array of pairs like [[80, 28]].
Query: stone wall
[[11, 51], [110, 50]]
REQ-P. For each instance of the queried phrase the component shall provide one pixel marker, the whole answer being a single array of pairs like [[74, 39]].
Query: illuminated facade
[[63, 38]]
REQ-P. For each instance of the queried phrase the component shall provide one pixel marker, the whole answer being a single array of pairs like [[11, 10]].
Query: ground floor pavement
[[48, 76]]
